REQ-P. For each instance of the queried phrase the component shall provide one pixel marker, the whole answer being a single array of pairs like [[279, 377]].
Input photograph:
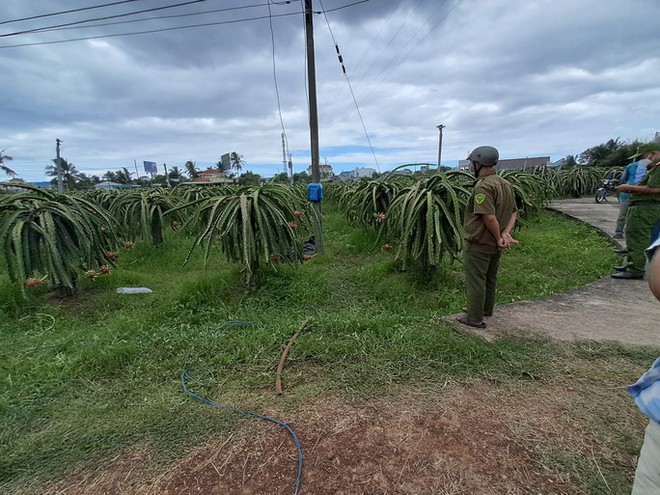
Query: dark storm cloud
[[541, 76]]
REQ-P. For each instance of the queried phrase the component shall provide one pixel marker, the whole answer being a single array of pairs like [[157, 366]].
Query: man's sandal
[[465, 321]]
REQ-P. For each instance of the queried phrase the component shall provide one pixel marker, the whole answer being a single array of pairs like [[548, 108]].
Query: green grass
[[103, 373]]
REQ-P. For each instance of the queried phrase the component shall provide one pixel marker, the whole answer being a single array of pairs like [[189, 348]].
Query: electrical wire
[[161, 30], [396, 34], [115, 16], [155, 18], [414, 47], [277, 90], [41, 16], [382, 28], [184, 383], [149, 31], [350, 87]]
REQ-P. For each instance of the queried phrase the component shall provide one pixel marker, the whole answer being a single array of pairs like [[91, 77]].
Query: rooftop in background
[[523, 163], [528, 163]]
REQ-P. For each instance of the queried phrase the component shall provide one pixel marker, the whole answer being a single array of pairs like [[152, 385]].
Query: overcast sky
[[532, 77]]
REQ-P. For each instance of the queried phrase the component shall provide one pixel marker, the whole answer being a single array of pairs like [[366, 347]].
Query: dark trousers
[[642, 228], [480, 278]]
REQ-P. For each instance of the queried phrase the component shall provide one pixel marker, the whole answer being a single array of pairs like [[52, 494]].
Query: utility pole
[[311, 82], [60, 186], [313, 115], [440, 128], [167, 175]]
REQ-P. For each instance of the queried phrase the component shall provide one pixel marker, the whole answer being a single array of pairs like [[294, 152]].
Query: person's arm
[[654, 275], [506, 233], [638, 189], [493, 227], [626, 175], [653, 255]]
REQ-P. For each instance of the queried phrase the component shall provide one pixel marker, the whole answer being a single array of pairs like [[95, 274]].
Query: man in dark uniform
[[490, 215], [643, 219]]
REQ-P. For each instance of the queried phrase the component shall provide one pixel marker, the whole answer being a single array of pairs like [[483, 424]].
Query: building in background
[[528, 163], [210, 177], [324, 170]]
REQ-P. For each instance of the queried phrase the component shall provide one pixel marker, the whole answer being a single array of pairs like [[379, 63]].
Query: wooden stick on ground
[[278, 375]]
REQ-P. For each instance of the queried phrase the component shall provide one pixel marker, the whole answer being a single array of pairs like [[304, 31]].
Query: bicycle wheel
[[600, 195]]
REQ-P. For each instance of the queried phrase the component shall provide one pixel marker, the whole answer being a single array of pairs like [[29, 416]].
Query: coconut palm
[[5, 158], [191, 169], [175, 174], [69, 173], [236, 161]]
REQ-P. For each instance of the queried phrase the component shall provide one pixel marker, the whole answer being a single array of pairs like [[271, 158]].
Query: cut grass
[[104, 374]]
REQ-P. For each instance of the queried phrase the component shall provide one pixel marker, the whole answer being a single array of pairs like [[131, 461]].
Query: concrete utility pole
[[311, 82], [60, 186], [440, 128], [313, 115]]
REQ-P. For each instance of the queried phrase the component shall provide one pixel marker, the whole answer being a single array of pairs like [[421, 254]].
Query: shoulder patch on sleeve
[[480, 198]]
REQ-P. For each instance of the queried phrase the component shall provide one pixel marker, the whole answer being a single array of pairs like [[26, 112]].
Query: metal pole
[[167, 177], [440, 128], [313, 114], [284, 156], [60, 186]]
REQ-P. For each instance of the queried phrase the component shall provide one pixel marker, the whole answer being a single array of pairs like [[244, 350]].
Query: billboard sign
[[225, 162], [150, 167]]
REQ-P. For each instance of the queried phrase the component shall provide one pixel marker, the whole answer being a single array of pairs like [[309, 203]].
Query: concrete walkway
[[606, 310]]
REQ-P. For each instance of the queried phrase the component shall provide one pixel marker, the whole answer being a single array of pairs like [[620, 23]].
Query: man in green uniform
[[642, 221], [490, 215]]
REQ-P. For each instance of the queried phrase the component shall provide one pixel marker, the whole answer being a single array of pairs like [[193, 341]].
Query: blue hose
[[206, 401]]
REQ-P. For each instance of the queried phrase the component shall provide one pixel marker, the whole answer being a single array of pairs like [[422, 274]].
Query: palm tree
[[69, 173], [123, 176], [236, 161], [3, 167], [191, 169], [175, 174]]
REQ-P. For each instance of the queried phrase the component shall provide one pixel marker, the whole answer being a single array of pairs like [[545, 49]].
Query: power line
[[410, 16], [391, 66], [150, 31], [155, 18], [341, 61], [67, 11], [415, 46], [115, 16], [175, 28], [277, 90], [382, 28]]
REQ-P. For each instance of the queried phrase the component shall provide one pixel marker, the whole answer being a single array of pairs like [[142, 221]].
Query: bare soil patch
[[463, 438]]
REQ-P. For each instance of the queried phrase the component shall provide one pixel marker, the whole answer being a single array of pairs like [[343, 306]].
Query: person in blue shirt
[[646, 393], [629, 176]]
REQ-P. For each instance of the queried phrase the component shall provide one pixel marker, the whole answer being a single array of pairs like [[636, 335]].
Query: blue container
[[315, 192]]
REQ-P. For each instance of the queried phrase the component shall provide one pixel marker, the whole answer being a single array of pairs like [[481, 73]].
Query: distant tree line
[[613, 153]]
